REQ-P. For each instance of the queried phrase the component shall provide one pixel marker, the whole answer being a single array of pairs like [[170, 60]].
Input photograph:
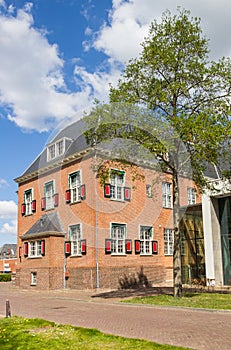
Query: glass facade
[[225, 225], [192, 245]]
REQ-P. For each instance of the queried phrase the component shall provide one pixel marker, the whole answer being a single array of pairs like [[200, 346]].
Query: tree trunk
[[177, 278]]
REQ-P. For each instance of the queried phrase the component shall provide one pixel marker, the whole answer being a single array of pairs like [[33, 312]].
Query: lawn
[[195, 300], [19, 333]]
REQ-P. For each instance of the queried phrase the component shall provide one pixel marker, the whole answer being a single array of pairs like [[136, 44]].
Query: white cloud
[[8, 232], [8, 222], [98, 81], [129, 22], [32, 82], [3, 183], [9, 228], [8, 210], [31, 77]]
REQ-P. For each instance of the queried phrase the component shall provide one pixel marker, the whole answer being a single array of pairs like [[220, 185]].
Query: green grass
[[18, 333], [196, 300]]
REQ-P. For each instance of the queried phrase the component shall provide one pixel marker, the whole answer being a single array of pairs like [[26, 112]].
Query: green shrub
[[5, 277]]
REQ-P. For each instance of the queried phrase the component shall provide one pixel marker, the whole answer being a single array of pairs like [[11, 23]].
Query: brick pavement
[[195, 329]]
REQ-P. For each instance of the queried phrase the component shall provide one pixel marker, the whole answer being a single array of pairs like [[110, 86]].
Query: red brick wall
[[141, 210]]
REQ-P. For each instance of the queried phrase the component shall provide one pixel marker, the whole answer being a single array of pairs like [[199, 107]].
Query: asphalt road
[[195, 329]]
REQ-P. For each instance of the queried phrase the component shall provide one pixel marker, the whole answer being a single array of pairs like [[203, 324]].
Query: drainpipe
[[96, 224], [64, 270]]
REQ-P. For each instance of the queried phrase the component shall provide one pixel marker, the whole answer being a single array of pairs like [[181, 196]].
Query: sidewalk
[[196, 329]]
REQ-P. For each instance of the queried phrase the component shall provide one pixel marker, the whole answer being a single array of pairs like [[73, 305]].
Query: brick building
[[74, 232]]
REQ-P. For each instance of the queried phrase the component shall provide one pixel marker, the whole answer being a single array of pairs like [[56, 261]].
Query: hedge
[[5, 277]]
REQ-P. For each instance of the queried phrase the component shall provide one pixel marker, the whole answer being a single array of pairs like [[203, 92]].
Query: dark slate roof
[[8, 249], [75, 142], [48, 224]]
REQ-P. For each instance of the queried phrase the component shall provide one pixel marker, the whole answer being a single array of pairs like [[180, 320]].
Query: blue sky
[[57, 56]]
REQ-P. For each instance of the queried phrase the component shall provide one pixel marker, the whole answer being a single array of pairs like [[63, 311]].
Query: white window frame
[[168, 241], [35, 249], [117, 182], [166, 195], [28, 198], [75, 236], [33, 278], [49, 195], [118, 237], [59, 147], [145, 237], [191, 192], [56, 149], [75, 188]]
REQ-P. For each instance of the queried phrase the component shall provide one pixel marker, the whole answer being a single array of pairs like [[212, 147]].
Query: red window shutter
[[23, 209], [43, 247], [83, 246], [68, 248], [127, 194], [25, 249], [83, 192], [154, 247], [107, 246], [68, 196], [56, 199], [43, 203], [20, 252], [128, 245], [107, 191], [33, 206], [137, 246]]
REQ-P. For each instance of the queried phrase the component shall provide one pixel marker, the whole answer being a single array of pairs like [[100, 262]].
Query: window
[[33, 278], [191, 195], [36, 248], [76, 192], [51, 152], [28, 202], [55, 150], [149, 191], [118, 233], [145, 240], [117, 184], [29, 205], [75, 187], [49, 195], [75, 239], [60, 148], [116, 189], [168, 241], [166, 195]]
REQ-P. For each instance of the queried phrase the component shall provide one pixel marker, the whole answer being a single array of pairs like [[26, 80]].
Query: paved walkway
[[195, 329]]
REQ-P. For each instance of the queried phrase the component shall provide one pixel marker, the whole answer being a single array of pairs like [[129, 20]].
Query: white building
[[216, 210]]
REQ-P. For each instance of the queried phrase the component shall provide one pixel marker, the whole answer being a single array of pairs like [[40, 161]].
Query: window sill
[[49, 209], [73, 203], [33, 284], [117, 200], [76, 256], [118, 254], [35, 257]]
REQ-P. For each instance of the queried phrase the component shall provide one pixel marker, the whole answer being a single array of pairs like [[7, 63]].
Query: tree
[[187, 94]]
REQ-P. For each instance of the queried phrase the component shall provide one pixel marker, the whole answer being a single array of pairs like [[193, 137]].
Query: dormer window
[[60, 147], [51, 152], [55, 149]]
